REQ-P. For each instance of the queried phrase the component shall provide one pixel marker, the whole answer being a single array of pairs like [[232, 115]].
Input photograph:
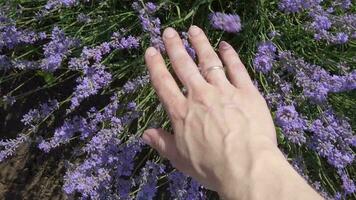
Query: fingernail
[[194, 30], [146, 138], [151, 51], [169, 32], [224, 45]]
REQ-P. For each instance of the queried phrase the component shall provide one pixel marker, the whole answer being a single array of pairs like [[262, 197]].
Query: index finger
[[163, 82]]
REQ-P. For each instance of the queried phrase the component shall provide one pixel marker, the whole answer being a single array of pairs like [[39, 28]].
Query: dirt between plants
[[31, 175]]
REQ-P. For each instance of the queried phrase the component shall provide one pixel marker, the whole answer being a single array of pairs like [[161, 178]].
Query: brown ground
[[31, 175]]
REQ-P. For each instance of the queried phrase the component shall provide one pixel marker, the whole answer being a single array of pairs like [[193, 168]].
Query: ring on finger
[[205, 72]]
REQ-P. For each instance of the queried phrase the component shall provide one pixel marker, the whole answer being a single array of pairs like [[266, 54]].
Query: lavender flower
[[183, 187], [292, 124], [150, 24], [265, 57], [51, 4], [332, 139], [56, 50], [132, 85], [105, 167], [9, 146], [148, 180], [226, 22], [294, 6], [9, 100], [83, 18], [11, 36], [95, 79], [316, 82], [119, 42], [35, 116], [347, 183], [62, 134], [187, 46]]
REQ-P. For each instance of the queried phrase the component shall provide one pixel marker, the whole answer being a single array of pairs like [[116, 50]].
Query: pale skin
[[224, 134]]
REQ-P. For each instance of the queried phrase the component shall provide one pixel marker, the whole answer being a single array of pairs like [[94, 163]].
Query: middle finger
[[182, 63], [207, 57]]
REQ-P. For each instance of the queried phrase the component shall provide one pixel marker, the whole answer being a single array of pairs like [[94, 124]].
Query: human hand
[[222, 126]]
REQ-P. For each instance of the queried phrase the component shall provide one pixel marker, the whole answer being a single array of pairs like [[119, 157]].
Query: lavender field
[[75, 94]]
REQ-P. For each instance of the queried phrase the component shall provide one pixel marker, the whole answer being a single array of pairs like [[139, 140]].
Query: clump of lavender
[[316, 82], [133, 84], [56, 50], [187, 46], [265, 57], [34, 116], [293, 126], [183, 187], [95, 77], [347, 183], [324, 23], [332, 139], [9, 100], [294, 6], [9, 146], [148, 180], [227, 22], [11, 36], [51, 4], [62, 134], [83, 18], [149, 23], [107, 164]]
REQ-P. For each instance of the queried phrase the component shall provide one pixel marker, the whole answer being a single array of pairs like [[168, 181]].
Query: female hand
[[223, 130]]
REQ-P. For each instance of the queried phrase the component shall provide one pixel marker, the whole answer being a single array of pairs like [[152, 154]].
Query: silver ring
[[205, 72]]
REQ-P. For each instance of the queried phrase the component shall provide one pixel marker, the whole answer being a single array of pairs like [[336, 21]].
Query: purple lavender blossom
[[265, 57], [340, 38], [183, 187], [347, 183], [148, 180], [132, 85], [56, 50], [9, 146], [83, 18], [227, 22], [150, 24], [51, 4], [11, 36], [95, 79], [316, 82], [9, 100], [63, 134], [34, 116], [332, 139], [187, 46], [292, 124], [106, 165], [151, 7], [119, 42], [335, 29], [294, 6]]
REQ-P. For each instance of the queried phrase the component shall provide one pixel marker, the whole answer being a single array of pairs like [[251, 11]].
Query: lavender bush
[[75, 92]]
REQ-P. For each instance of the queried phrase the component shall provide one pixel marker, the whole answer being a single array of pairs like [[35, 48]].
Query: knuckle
[[180, 56], [177, 111], [165, 77], [211, 59], [202, 97]]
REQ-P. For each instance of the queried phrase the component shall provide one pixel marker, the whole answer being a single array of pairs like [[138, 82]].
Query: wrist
[[269, 176], [261, 154]]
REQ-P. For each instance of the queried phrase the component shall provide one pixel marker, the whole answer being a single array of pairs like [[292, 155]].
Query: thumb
[[162, 141]]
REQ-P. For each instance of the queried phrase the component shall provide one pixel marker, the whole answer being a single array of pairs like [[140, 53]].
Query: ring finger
[[207, 58]]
